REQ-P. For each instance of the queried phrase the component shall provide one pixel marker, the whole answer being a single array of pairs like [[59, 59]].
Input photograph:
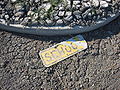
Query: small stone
[[36, 1], [68, 18], [13, 1], [90, 15], [16, 19], [78, 6], [87, 4], [49, 22], [96, 3], [59, 21], [108, 0], [30, 13], [76, 2], [38, 11], [104, 4], [47, 6], [2, 21], [6, 16], [61, 8], [68, 13], [61, 13], [18, 7], [56, 17], [19, 13], [26, 21]]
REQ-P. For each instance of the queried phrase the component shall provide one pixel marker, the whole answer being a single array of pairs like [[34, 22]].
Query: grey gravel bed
[[96, 68], [65, 13]]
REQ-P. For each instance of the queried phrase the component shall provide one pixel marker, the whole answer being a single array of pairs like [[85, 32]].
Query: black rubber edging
[[53, 31]]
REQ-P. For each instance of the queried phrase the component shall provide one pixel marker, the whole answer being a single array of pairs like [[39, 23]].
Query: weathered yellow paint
[[61, 51]]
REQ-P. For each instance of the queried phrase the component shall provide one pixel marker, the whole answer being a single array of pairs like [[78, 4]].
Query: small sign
[[62, 50]]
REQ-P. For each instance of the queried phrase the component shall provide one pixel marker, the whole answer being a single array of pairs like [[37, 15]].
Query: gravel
[[96, 68], [66, 12]]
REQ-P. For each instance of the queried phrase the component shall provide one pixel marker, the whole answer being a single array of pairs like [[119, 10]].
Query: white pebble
[[76, 2], [13, 1], [103, 4], [108, 0], [96, 3], [61, 13]]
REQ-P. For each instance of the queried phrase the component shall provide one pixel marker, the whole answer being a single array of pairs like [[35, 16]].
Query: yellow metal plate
[[62, 50]]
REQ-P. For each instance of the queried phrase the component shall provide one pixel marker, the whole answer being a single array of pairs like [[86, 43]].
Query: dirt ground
[[96, 68]]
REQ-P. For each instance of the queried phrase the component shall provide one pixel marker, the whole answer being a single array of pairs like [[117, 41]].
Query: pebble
[[47, 6], [18, 7], [36, 1], [59, 21], [2, 21], [13, 1], [75, 2], [56, 17], [68, 18], [49, 22], [68, 13], [81, 12], [25, 21], [104, 4], [108, 0], [87, 4], [96, 3], [61, 13], [6, 16], [30, 13], [19, 13], [61, 8]]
